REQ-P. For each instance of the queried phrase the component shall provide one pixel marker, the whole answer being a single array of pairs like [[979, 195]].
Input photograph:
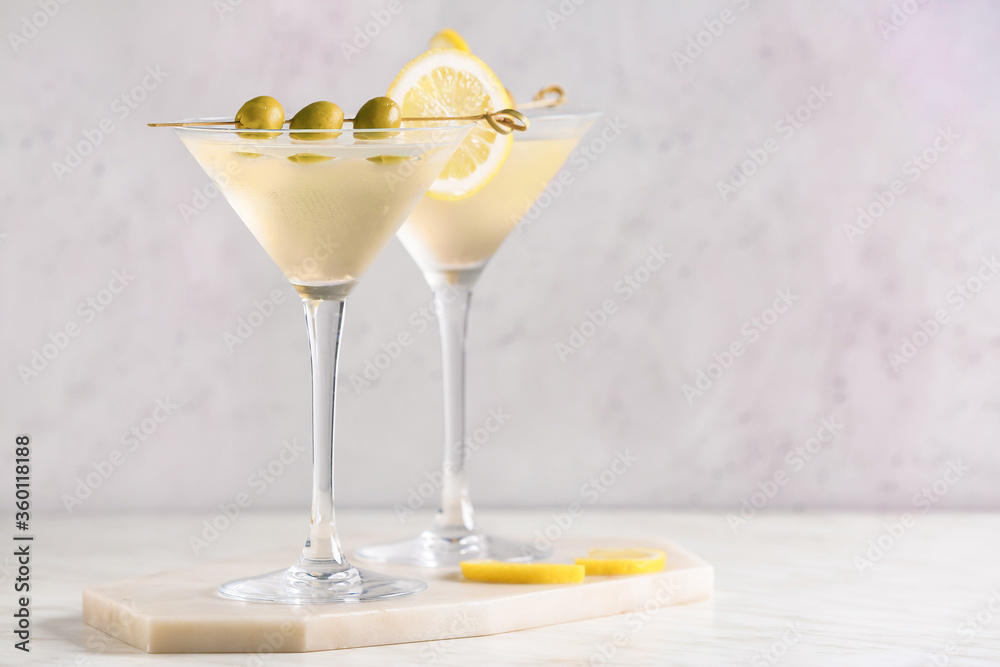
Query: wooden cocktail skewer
[[543, 98], [504, 121]]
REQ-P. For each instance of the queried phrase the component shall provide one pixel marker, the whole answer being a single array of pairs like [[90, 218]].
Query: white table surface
[[778, 572]]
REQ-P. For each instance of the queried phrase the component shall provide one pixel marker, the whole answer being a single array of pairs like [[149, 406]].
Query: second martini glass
[[322, 209], [451, 241]]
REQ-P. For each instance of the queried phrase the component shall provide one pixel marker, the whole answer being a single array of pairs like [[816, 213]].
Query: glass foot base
[[315, 583], [433, 549]]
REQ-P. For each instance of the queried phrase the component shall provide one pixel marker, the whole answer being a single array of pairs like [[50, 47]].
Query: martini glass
[[451, 242], [322, 204]]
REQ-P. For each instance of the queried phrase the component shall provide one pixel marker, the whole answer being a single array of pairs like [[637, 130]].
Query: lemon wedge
[[449, 39], [452, 82], [497, 572], [623, 561]]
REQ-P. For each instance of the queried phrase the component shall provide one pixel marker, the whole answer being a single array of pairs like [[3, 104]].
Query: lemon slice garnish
[[623, 561], [449, 39], [497, 572], [451, 82]]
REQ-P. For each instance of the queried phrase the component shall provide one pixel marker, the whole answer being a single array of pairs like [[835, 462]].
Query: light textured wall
[[884, 96]]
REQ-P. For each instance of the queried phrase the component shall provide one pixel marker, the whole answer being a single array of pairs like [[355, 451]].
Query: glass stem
[[451, 303], [324, 321]]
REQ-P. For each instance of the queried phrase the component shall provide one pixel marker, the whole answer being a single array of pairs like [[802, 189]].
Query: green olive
[[389, 159], [260, 113], [306, 158], [317, 116], [378, 112]]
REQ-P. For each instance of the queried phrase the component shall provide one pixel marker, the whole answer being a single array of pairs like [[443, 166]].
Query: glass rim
[[538, 114], [560, 124]]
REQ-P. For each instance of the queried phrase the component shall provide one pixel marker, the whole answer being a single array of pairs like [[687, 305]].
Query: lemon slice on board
[[497, 572], [449, 39], [451, 82], [623, 561]]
